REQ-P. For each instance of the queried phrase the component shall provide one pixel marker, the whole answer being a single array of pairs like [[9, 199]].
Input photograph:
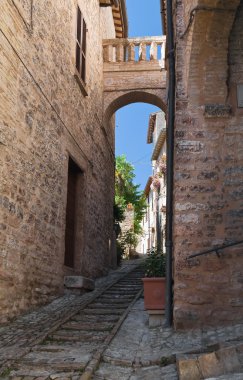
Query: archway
[[207, 58], [114, 101]]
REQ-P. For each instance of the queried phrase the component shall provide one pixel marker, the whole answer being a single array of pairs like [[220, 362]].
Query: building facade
[[147, 239], [208, 162], [157, 137], [154, 220], [56, 159]]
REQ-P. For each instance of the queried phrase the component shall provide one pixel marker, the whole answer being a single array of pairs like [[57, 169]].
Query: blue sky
[[132, 121]]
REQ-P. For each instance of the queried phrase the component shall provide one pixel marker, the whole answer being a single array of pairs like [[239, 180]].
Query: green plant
[[126, 192], [155, 264], [118, 213], [129, 239]]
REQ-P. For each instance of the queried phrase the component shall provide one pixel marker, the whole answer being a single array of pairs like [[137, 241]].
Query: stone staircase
[[223, 361], [74, 349]]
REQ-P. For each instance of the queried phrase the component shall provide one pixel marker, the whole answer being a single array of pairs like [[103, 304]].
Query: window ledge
[[81, 83]]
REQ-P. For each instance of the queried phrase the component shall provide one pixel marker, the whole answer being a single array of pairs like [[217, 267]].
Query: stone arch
[[116, 100], [207, 35]]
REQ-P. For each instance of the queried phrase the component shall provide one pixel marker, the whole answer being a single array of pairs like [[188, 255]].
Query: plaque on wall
[[240, 95]]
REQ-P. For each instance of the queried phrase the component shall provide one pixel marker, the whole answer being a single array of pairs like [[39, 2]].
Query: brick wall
[[44, 118], [208, 162]]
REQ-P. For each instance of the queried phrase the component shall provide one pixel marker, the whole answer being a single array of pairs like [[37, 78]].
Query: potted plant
[[154, 281]]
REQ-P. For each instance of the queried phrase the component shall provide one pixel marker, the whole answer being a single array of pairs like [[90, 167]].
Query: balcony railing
[[134, 49]]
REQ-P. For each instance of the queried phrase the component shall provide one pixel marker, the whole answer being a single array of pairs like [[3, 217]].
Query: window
[[81, 45]]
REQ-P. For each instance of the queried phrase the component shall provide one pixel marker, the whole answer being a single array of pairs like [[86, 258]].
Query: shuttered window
[[81, 45]]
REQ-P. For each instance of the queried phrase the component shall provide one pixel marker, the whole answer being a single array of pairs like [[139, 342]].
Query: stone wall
[[128, 223], [208, 163], [44, 119]]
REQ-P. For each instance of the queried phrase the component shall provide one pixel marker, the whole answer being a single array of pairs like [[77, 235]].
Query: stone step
[[123, 288], [88, 326], [102, 312], [33, 373], [121, 293], [95, 318], [130, 282], [115, 300], [42, 374], [117, 372], [109, 371], [110, 305], [137, 272], [134, 288], [127, 286], [227, 359], [64, 360], [55, 346], [79, 335], [232, 376]]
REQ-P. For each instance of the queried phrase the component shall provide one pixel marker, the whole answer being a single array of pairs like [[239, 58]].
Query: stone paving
[[17, 338], [133, 351], [74, 347], [139, 352]]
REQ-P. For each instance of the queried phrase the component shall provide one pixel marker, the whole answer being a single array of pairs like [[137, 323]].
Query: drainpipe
[[170, 161]]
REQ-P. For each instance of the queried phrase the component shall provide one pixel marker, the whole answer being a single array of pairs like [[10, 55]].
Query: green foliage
[[155, 264], [118, 213], [129, 239], [126, 192], [139, 209]]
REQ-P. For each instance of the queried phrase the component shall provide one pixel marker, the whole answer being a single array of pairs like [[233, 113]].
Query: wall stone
[[44, 118], [208, 162]]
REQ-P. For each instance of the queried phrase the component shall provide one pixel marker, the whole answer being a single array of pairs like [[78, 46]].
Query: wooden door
[[71, 212]]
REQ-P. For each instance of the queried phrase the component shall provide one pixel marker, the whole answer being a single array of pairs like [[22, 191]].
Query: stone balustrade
[[134, 49]]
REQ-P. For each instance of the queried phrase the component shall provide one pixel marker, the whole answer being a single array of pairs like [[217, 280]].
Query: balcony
[[134, 70]]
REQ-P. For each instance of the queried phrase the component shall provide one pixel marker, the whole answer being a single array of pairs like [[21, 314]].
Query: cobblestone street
[[105, 335]]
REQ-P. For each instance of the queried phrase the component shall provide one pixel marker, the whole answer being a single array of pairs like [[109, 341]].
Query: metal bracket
[[217, 253]]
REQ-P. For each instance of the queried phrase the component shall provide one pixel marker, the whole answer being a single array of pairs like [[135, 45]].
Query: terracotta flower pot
[[154, 293]]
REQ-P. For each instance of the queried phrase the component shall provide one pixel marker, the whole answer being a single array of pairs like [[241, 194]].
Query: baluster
[[142, 51], [120, 53], [108, 53], [125, 52], [131, 52], [153, 51], [163, 51]]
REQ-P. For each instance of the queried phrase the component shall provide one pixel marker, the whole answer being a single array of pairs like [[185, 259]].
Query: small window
[[81, 45]]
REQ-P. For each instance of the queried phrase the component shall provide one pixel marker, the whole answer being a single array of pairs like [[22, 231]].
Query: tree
[[126, 192]]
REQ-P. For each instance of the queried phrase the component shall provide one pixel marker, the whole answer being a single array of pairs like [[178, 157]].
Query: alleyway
[[105, 335]]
